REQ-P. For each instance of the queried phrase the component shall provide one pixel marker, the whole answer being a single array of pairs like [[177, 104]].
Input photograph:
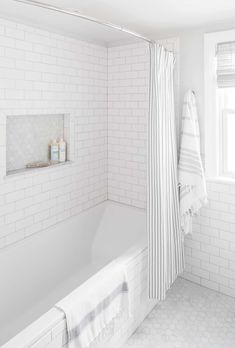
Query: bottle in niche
[[62, 150], [54, 151]]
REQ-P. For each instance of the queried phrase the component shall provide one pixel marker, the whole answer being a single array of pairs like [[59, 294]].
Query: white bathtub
[[40, 270]]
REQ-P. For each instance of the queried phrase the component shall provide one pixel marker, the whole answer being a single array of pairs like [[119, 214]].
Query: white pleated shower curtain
[[165, 240]]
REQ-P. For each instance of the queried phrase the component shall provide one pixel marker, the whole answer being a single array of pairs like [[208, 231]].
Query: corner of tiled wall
[[44, 73], [210, 250], [128, 83], [128, 68]]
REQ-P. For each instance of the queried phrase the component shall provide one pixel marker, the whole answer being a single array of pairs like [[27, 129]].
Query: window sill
[[221, 180]]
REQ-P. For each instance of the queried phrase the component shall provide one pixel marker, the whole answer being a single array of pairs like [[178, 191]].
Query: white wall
[[210, 251], [44, 73], [128, 99], [191, 73], [128, 72]]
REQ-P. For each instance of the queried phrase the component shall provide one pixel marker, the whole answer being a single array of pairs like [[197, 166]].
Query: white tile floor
[[191, 317]]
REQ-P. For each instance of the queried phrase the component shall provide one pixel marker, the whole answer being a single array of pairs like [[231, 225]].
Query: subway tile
[[219, 261], [7, 41], [13, 217], [210, 284], [218, 187], [210, 267], [227, 198], [193, 261], [209, 231], [226, 290], [219, 206], [7, 208], [229, 255], [192, 277], [232, 247], [200, 273], [200, 237], [220, 224], [210, 249], [221, 244], [26, 222], [14, 196], [23, 45], [200, 255], [219, 279], [227, 236], [38, 82], [14, 237], [232, 265], [227, 273], [2, 242], [35, 228], [232, 284]]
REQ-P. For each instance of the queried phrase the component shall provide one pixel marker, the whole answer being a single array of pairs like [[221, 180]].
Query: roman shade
[[226, 64]]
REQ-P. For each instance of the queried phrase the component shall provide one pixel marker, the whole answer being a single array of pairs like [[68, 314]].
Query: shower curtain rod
[[76, 13]]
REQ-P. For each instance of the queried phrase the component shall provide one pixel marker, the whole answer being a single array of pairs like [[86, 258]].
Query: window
[[226, 110], [220, 104]]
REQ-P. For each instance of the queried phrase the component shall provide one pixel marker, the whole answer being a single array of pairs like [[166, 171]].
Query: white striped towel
[[192, 182], [95, 304]]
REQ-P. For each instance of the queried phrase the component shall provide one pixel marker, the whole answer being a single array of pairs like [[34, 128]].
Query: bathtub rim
[[83, 211], [50, 319]]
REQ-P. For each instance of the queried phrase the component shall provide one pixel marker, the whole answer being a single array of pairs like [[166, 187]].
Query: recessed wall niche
[[28, 138]]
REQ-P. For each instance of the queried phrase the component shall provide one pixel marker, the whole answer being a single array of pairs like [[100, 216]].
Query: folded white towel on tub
[[93, 305]]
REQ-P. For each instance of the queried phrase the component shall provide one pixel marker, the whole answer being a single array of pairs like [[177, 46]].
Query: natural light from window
[[226, 106], [230, 143], [219, 77]]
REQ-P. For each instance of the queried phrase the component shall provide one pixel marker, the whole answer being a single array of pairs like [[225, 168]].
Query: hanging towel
[[192, 182], [93, 305]]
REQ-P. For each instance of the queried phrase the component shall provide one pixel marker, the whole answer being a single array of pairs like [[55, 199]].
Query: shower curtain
[[165, 240]]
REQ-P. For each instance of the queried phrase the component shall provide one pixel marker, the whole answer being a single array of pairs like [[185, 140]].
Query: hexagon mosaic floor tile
[[191, 317]]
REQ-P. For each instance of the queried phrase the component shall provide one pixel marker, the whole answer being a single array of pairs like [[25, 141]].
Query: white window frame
[[224, 170], [214, 151]]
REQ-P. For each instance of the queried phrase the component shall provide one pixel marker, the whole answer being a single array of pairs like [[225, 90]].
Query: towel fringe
[[108, 331]]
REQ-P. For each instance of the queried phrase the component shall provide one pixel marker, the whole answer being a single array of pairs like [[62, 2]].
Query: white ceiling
[[60, 23], [153, 18]]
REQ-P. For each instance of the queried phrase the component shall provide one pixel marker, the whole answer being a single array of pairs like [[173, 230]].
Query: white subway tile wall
[[44, 73], [48, 74], [128, 70], [128, 101], [210, 250]]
